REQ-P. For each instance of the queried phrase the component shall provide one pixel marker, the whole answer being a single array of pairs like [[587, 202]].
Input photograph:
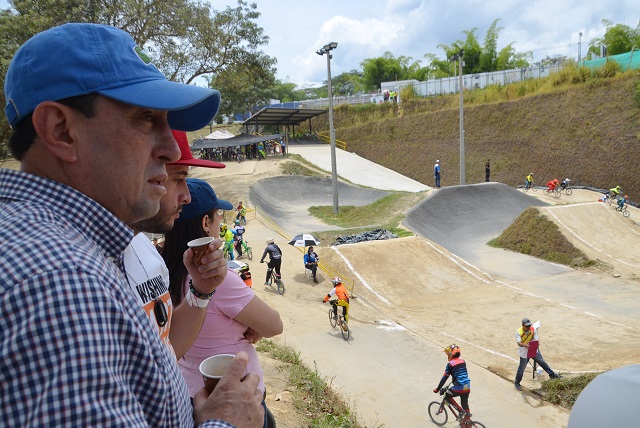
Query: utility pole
[[580, 47], [326, 50], [458, 57]]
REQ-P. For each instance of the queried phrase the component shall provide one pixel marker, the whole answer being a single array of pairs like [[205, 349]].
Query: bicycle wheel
[[280, 284], [534, 188], [438, 413], [249, 253], [344, 329], [332, 320], [625, 213], [476, 424], [568, 191]]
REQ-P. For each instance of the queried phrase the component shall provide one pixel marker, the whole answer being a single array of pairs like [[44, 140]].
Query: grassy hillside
[[589, 132]]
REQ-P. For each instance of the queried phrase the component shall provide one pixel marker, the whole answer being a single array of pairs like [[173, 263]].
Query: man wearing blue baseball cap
[[92, 120]]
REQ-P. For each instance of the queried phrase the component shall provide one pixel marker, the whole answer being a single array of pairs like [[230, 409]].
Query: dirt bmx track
[[418, 294]]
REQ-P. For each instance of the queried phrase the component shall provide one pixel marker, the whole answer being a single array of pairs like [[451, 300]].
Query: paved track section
[[464, 218], [284, 198], [357, 169]]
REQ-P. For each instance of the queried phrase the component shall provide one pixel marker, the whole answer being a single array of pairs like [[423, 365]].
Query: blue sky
[[368, 28]]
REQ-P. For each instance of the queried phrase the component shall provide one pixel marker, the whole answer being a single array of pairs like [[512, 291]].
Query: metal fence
[[450, 85]]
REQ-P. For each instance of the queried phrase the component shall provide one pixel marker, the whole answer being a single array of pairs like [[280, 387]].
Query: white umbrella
[[304, 240]]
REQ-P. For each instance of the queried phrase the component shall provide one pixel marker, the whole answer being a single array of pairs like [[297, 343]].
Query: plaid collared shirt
[[75, 346]]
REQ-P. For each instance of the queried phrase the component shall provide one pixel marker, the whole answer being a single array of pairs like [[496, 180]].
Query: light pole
[[579, 47], [458, 57], [326, 49]]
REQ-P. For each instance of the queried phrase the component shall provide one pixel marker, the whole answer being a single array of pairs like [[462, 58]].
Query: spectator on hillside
[[436, 173], [487, 170]]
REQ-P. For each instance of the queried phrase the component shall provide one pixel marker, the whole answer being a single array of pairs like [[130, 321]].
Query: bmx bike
[[339, 321], [567, 190], [530, 185], [246, 249], [439, 416], [275, 278], [623, 210], [555, 192]]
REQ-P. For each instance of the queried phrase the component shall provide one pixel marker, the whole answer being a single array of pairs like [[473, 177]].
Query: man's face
[[122, 152], [526, 327], [170, 204]]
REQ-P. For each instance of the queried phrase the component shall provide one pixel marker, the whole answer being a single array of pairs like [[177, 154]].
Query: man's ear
[[53, 122]]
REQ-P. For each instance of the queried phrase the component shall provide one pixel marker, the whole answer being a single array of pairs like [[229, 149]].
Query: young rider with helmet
[[340, 291], [238, 231], [275, 259], [528, 181], [457, 369]]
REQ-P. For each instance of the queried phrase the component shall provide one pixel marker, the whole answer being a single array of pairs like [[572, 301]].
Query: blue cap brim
[[190, 107], [223, 205]]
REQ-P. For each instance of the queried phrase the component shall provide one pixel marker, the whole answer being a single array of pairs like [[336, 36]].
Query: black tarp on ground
[[372, 235]]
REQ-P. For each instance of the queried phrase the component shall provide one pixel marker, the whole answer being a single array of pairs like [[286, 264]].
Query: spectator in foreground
[[92, 121]]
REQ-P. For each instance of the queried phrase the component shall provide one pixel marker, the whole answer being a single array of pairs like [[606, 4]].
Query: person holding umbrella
[[311, 262]]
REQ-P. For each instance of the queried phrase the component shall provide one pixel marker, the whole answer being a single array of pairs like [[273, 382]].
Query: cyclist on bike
[[528, 181], [241, 213], [564, 184], [457, 369], [275, 260], [551, 185], [238, 231], [227, 235], [340, 291], [621, 202], [615, 191]]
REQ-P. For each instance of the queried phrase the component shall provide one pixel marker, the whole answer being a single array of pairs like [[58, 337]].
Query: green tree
[[246, 87], [185, 38], [617, 39], [382, 69], [489, 55]]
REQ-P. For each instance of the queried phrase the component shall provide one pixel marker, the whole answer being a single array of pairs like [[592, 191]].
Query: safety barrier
[[329, 270], [327, 139]]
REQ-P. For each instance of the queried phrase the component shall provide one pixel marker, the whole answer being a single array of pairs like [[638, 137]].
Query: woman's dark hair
[[24, 134], [175, 244]]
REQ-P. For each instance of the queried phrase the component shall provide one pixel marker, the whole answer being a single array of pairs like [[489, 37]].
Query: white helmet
[[270, 241], [336, 280]]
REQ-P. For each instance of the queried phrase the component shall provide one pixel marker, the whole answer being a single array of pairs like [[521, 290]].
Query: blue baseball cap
[[79, 59], [203, 200]]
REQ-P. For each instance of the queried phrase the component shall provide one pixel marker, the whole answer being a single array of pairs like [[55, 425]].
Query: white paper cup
[[200, 247], [213, 368]]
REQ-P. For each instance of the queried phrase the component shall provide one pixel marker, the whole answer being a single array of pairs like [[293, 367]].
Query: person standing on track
[[436, 173], [524, 335], [275, 260], [487, 170]]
